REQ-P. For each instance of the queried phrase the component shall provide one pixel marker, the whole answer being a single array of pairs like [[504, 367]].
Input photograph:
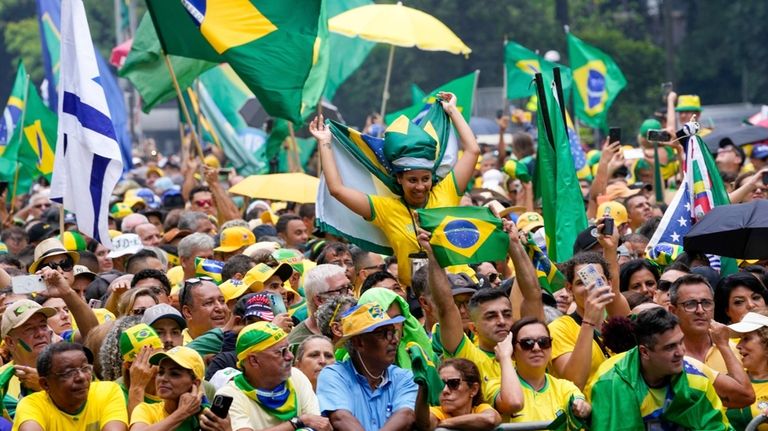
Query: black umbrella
[[255, 115], [737, 230], [738, 136]]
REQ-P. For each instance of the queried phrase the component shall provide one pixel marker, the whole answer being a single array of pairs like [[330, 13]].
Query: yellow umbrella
[[397, 25], [293, 187]]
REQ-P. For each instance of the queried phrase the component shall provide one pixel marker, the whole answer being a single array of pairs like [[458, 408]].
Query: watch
[[296, 423]]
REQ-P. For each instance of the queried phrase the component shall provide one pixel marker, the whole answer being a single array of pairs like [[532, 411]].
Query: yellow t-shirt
[[105, 404], [548, 403], [564, 332], [185, 337], [714, 359], [440, 415], [739, 418], [486, 363], [146, 413], [391, 216]]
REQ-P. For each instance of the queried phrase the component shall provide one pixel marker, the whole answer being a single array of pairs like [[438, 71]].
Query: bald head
[[131, 221]]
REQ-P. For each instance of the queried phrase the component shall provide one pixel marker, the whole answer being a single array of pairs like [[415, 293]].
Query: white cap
[[127, 243], [750, 322]]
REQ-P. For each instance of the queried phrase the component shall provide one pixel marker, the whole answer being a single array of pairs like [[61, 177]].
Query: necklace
[[370, 374]]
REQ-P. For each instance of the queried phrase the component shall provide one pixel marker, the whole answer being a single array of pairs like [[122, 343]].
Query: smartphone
[[658, 136], [95, 303], [608, 225], [614, 134], [765, 178], [276, 303], [666, 88], [225, 171], [633, 153], [3, 186], [589, 274], [220, 405], [418, 260], [26, 284]]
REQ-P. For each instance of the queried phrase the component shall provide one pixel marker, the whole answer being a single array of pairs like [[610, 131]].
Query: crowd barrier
[[521, 426]]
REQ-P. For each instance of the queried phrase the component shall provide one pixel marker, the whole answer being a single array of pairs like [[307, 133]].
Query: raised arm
[[525, 275], [465, 166], [58, 287], [227, 210], [503, 123], [619, 306], [735, 388], [355, 200], [510, 399], [451, 330], [576, 365], [602, 175]]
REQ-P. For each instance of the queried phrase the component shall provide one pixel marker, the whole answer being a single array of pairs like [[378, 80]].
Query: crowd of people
[[219, 313]]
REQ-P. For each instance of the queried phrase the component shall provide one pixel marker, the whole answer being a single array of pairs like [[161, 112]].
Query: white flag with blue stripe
[[88, 163]]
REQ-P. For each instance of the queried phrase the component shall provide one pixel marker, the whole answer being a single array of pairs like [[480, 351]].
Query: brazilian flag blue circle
[[595, 87], [462, 233]]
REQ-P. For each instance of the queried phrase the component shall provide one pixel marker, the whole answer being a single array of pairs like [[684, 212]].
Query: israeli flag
[[88, 163]]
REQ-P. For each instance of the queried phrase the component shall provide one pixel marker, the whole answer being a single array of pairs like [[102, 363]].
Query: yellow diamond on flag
[[530, 67], [41, 147], [461, 235], [590, 83], [229, 23]]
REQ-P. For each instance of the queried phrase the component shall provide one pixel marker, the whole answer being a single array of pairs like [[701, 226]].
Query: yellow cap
[[529, 221], [615, 210], [235, 238], [183, 356], [688, 103]]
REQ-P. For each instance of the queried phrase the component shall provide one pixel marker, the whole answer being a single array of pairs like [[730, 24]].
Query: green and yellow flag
[[550, 278], [463, 87], [555, 181], [32, 146], [598, 80], [464, 235], [12, 112], [522, 64], [272, 45]]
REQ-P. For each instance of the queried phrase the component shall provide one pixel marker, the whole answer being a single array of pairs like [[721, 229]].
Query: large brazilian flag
[[271, 45]]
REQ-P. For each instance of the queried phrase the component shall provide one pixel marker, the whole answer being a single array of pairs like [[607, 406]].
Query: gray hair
[[302, 347], [196, 241], [333, 309], [190, 219], [316, 282], [685, 280], [109, 354], [238, 222]]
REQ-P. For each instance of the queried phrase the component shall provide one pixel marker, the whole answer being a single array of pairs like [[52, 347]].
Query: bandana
[[136, 337], [257, 337], [280, 403]]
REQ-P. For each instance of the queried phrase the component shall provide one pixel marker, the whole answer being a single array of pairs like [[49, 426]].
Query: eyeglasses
[[66, 265], [204, 203], [188, 283], [342, 263], [387, 334], [381, 267], [528, 343], [692, 305], [139, 311], [283, 351], [452, 384], [72, 372], [340, 291]]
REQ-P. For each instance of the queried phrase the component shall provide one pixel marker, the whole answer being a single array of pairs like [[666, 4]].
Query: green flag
[[147, 71], [32, 146], [555, 178], [550, 278], [464, 235], [463, 87], [348, 53], [228, 92], [598, 80], [522, 64], [305, 146], [271, 45], [417, 94], [12, 112]]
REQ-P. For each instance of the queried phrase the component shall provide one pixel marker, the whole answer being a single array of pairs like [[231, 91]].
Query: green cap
[[407, 146], [136, 337], [647, 125]]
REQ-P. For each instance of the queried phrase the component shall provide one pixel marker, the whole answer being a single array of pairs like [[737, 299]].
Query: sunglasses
[[452, 384], [387, 335], [492, 277], [66, 265], [527, 344], [139, 311], [41, 206], [204, 203], [188, 283]]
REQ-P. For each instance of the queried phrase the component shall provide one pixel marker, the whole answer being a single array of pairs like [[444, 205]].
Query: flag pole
[[184, 110], [385, 93], [21, 137]]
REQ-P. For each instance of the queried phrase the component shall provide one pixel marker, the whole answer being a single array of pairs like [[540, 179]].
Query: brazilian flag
[[272, 45], [209, 268], [464, 235], [550, 278], [521, 64]]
